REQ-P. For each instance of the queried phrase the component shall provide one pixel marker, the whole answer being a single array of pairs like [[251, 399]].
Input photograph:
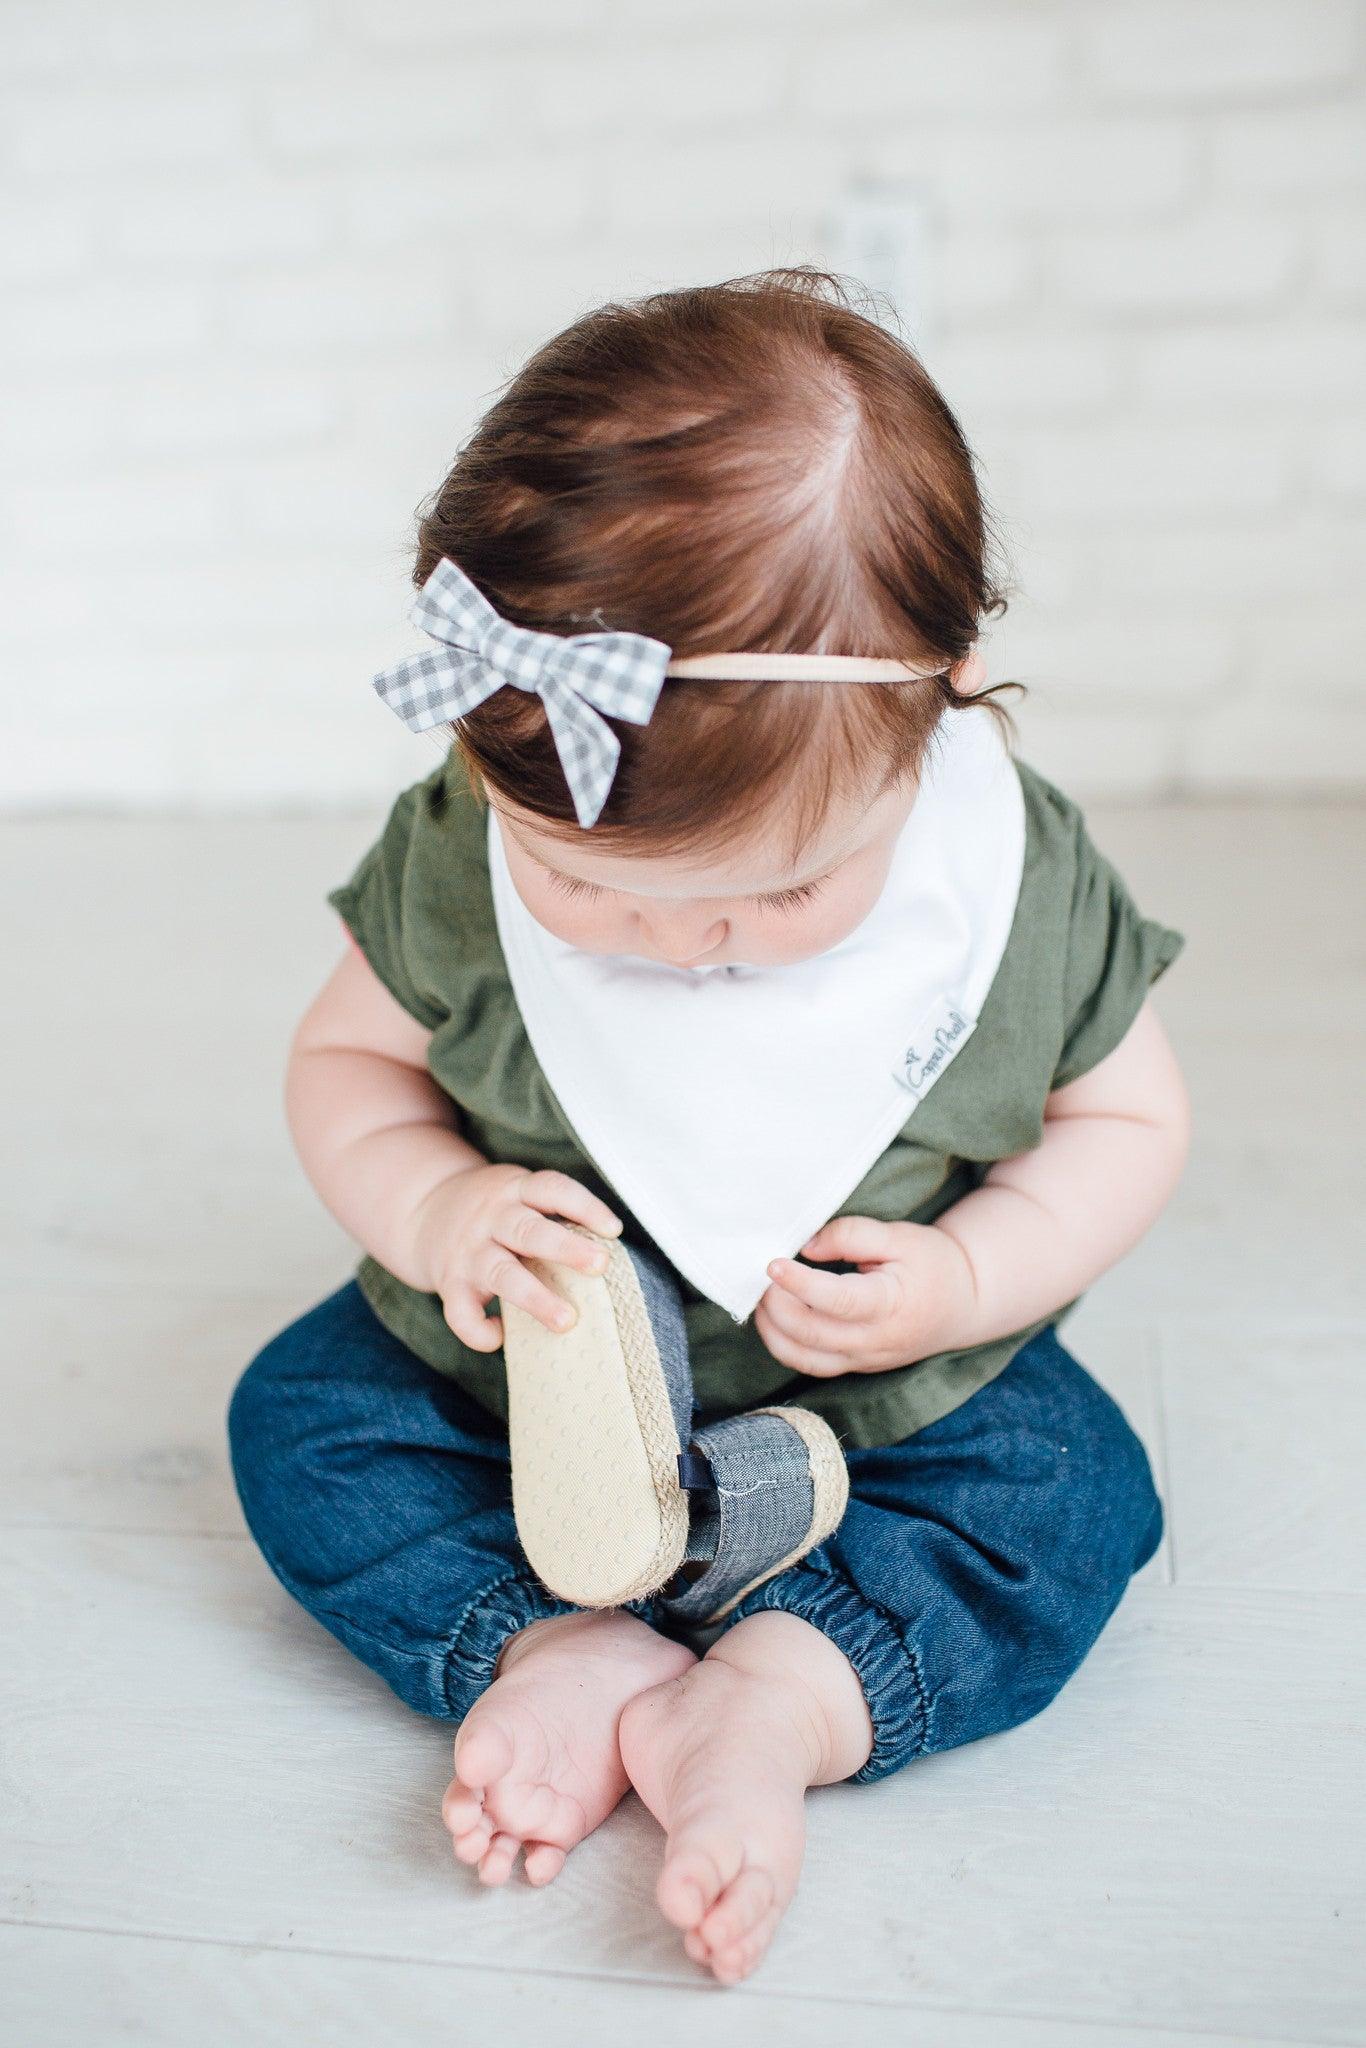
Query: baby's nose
[[680, 935]]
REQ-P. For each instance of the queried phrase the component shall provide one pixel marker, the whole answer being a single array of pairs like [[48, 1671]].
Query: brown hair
[[746, 465]]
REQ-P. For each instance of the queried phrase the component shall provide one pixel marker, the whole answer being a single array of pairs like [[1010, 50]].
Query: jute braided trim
[[654, 1412]]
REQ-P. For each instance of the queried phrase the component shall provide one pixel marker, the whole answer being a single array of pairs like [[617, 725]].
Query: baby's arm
[[1038, 1231], [373, 1131], [379, 1141], [1047, 1223]]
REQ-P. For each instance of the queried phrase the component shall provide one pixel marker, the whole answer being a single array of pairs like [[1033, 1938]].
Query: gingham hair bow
[[575, 677]]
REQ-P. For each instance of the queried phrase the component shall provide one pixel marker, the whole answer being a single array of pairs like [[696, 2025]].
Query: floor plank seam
[[141, 1530], [276, 1297], [701, 1989]]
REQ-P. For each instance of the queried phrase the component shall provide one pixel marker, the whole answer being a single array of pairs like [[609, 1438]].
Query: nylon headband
[[579, 677]]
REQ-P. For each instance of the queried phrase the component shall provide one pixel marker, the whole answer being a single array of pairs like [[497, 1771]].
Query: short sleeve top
[[1076, 970]]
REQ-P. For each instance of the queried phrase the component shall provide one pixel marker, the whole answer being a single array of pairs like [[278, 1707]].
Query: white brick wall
[[263, 262]]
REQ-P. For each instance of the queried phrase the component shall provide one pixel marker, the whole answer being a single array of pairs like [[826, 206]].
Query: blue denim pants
[[976, 1564]]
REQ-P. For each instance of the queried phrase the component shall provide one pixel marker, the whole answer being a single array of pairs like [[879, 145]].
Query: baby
[[805, 986]]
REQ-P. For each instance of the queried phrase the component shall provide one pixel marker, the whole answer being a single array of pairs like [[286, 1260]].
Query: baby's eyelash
[[571, 884], [574, 887], [789, 899], [780, 900]]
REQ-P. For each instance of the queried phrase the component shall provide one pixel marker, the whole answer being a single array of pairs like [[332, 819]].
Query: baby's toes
[[483, 1751], [543, 1862], [471, 1829], [536, 1813], [470, 1843], [495, 1865], [471, 1848], [461, 1809], [690, 1883], [740, 1908], [736, 1961]]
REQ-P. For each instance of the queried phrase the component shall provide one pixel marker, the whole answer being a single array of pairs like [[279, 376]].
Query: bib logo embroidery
[[925, 1060]]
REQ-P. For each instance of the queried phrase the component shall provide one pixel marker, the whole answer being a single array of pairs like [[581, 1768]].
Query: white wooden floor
[[216, 1828]]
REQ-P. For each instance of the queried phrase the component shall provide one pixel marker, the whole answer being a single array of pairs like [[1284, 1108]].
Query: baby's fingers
[[829, 1334], [532, 1235], [851, 1297], [509, 1279], [855, 1238], [464, 1312], [789, 1350], [557, 1195]]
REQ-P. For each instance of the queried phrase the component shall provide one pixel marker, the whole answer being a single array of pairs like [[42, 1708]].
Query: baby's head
[[747, 466]]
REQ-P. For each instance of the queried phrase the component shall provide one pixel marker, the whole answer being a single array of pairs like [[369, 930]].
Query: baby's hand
[[474, 1229], [913, 1289]]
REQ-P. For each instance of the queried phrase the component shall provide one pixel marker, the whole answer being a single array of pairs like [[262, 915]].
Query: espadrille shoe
[[778, 1486], [597, 1416]]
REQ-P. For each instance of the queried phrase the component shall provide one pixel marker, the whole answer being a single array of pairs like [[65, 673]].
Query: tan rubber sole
[[595, 1492], [829, 1488]]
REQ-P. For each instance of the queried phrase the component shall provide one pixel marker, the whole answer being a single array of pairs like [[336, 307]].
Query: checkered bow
[[576, 678]]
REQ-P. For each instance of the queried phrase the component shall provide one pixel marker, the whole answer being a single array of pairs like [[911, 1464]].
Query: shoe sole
[[595, 1492]]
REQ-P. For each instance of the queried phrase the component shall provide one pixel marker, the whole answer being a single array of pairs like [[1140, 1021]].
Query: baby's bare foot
[[723, 1756], [537, 1764]]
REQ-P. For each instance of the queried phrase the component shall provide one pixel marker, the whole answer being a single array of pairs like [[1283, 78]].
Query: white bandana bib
[[735, 1109]]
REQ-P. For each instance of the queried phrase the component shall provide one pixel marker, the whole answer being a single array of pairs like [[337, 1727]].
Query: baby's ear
[[970, 674]]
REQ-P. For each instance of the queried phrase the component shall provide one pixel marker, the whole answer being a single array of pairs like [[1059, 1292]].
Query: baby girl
[[785, 975]]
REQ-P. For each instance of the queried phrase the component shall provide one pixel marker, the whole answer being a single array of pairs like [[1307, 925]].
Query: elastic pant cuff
[[884, 1663], [501, 1611]]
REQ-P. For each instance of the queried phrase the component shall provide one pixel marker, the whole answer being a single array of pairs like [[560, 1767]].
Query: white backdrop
[[264, 260]]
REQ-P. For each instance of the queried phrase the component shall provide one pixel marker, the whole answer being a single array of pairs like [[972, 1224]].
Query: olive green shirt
[[1076, 969]]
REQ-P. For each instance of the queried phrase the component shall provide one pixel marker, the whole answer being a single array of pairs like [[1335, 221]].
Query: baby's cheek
[[577, 924], [825, 924], [592, 928], [779, 941]]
